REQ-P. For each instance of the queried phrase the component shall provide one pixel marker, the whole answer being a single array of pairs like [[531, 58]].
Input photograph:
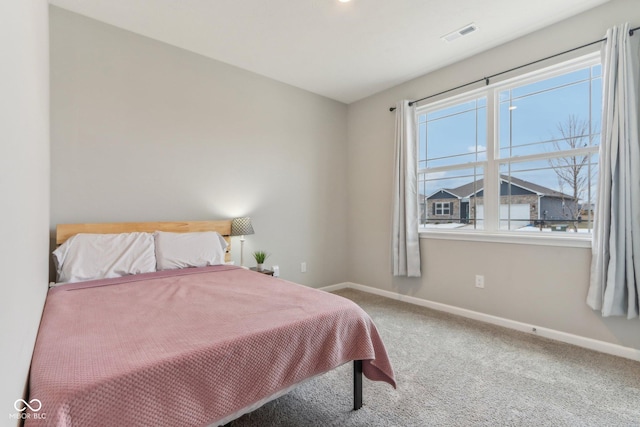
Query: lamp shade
[[241, 226]]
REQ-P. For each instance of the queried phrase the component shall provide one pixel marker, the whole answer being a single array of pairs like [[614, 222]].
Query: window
[[441, 208], [520, 155]]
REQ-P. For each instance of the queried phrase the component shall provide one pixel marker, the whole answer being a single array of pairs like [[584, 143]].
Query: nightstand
[[265, 271]]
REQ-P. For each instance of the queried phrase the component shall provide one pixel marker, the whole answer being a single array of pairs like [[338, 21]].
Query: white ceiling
[[345, 51]]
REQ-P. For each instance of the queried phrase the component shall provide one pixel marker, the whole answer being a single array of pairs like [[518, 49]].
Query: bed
[[199, 345]]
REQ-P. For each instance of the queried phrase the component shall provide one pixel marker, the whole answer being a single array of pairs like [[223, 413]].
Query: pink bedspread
[[188, 347]]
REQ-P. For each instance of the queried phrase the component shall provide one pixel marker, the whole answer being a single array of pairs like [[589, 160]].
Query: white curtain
[[615, 264], [406, 241]]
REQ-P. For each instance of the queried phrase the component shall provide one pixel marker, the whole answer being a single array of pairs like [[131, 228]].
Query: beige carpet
[[453, 371]]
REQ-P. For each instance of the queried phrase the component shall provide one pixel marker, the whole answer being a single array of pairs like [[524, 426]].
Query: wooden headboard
[[65, 231]]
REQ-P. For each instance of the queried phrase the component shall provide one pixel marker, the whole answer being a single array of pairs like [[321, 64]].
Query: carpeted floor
[[453, 371]]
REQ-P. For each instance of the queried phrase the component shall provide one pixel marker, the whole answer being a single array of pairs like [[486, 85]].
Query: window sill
[[519, 238]]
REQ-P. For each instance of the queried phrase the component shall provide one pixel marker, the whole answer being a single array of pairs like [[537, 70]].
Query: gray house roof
[[472, 188], [444, 190]]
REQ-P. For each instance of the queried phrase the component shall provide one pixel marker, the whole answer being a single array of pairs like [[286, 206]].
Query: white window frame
[[491, 166], [440, 206]]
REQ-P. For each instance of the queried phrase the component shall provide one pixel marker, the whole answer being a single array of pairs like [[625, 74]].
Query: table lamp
[[241, 227]]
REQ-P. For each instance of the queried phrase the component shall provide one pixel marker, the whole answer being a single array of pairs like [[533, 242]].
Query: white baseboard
[[580, 341], [336, 287]]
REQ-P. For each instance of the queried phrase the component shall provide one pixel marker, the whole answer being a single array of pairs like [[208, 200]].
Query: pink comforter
[[188, 347]]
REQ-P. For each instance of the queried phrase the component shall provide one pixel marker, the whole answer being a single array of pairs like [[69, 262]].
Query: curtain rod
[[486, 79]]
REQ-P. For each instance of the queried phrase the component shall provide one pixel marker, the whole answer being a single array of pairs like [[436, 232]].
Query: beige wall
[[24, 190], [145, 131], [553, 290]]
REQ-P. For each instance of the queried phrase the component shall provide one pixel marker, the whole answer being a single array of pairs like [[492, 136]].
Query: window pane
[[596, 107], [554, 194], [544, 117], [447, 199], [453, 135], [555, 114], [452, 110], [551, 83]]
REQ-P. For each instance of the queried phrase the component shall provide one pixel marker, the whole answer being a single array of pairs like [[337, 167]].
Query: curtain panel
[[405, 237], [615, 265]]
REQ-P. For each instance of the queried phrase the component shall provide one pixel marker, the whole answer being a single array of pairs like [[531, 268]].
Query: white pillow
[[181, 250], [101, 256]]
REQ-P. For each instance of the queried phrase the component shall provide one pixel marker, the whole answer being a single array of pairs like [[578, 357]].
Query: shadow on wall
[[622, 328], [408, 286], [52, 247]]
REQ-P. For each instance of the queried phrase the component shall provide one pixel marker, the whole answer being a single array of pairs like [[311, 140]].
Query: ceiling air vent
[[467, 29]]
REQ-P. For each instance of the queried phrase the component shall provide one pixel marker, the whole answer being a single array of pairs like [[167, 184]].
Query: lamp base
[[242, 252]]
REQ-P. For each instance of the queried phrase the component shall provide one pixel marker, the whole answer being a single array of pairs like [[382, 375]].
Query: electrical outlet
[[303, 267], [479, 281]]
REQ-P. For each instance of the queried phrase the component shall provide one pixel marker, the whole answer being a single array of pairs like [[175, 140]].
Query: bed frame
[[65, 231]]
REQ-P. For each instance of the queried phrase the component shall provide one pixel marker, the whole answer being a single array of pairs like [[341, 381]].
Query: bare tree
[[574, 172]]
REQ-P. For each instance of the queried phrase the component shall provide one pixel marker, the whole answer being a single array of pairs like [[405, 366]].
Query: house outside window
[[515, 156], [442, 208]]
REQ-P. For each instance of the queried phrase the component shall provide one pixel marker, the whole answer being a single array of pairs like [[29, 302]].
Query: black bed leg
[[357, 384]]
